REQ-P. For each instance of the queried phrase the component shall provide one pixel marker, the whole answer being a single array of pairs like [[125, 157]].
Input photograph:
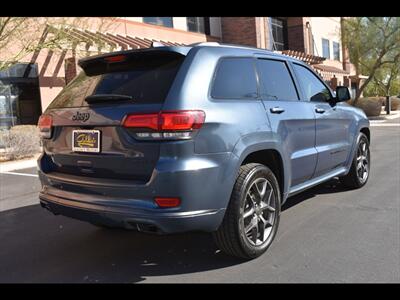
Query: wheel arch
[[270, 158], [268, 153], [367, 132]]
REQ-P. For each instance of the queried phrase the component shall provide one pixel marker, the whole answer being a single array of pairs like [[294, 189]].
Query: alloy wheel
[[259, 211], [362, 161]]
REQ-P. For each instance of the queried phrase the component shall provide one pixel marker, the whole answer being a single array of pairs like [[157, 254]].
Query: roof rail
[[205, 44], [228, 45]]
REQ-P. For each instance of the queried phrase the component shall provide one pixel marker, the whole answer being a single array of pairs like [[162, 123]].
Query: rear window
[[146, 82], [235, 79]]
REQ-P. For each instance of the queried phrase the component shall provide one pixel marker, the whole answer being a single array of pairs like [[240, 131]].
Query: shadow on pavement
[[39, 247], [332, 186]]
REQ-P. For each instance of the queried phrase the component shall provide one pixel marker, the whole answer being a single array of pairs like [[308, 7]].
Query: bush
[[381, 100], [371, 106], [19, 142], [395, 103]]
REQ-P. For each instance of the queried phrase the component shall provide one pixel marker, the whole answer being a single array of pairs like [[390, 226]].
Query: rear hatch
[[87, 138]]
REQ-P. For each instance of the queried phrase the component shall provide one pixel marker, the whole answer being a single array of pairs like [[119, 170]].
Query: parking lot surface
[[326, 234]]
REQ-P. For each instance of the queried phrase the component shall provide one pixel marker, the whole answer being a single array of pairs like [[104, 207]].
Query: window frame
[[288, 67], [284, 32], [218, 65], [338, 50], [206, 25], [329, 48], [317, 76]]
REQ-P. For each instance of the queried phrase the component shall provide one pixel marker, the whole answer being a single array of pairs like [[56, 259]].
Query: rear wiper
[[107, 97]]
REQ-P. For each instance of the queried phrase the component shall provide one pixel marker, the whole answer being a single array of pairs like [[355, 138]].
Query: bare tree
[[387, 78], [373, 43], [21, 36]]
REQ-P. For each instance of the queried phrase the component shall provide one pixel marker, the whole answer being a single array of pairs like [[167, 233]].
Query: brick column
[[239, 30], [345, 51], [346, 81], [70, 69], [333, 82], [297, 33]]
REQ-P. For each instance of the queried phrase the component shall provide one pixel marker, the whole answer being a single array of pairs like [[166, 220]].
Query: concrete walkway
[[19, 164], [394, 114]]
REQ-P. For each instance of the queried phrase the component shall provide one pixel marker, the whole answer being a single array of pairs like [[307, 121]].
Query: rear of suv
[[207, 138]]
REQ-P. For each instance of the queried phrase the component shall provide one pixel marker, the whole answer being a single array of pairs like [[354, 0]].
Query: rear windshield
[[146, 82]]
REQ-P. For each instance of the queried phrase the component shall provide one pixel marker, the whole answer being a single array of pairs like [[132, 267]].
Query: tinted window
[[276, 82], [235, 79], [148, 83], [162, 21], [20, 70], [313, 88]]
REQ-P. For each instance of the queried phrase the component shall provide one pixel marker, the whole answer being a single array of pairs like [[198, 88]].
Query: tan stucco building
[[27, 88]]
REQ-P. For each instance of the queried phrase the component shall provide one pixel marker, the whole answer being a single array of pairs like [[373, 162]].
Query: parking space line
[[21, 174]]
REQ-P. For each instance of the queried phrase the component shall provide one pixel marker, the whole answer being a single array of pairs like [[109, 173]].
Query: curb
[[19, 164]]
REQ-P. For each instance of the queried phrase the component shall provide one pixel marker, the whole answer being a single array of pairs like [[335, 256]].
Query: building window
[[279, 34], [336, 51], [198, 24], [19, 95], [325, 49], [161, 21]]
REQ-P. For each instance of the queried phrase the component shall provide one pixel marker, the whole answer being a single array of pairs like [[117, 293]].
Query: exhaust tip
[[46, 206], [145, 228]]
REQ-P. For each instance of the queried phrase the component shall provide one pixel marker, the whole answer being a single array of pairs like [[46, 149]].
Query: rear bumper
[[203, 184], [131, 218]]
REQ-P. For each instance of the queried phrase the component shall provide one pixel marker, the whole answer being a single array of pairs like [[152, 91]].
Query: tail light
[[115, 58], [166, 124], [45, 124], [167, 202]]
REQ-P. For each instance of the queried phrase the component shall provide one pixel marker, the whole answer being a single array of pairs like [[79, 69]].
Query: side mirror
[[342, 94]]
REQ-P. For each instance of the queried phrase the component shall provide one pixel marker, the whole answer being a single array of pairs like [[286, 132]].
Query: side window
[[313, 88], [276, 81], [235, 79]]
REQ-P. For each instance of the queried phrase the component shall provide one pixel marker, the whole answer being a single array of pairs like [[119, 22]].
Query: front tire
[[252, 217], [360, 167]]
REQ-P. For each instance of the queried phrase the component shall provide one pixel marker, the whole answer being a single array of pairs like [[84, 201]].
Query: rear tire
[[252, 217], [360, 166]]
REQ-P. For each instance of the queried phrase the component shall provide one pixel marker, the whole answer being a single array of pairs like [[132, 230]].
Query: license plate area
[[86, 141]]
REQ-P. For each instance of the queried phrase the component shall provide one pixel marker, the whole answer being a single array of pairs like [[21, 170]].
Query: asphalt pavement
[[326, 234]]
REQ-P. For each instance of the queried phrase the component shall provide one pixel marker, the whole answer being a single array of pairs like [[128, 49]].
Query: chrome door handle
[[276, 110], [319, 110]]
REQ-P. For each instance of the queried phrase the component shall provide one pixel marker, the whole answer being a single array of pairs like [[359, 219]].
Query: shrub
[[371, 107], [381, 100], [395, 103], [19, 142]]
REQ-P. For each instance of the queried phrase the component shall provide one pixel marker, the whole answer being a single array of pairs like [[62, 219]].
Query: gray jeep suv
[[208, 137]]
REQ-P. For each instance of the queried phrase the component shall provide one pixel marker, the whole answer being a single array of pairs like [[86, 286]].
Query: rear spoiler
[[123, 60]]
